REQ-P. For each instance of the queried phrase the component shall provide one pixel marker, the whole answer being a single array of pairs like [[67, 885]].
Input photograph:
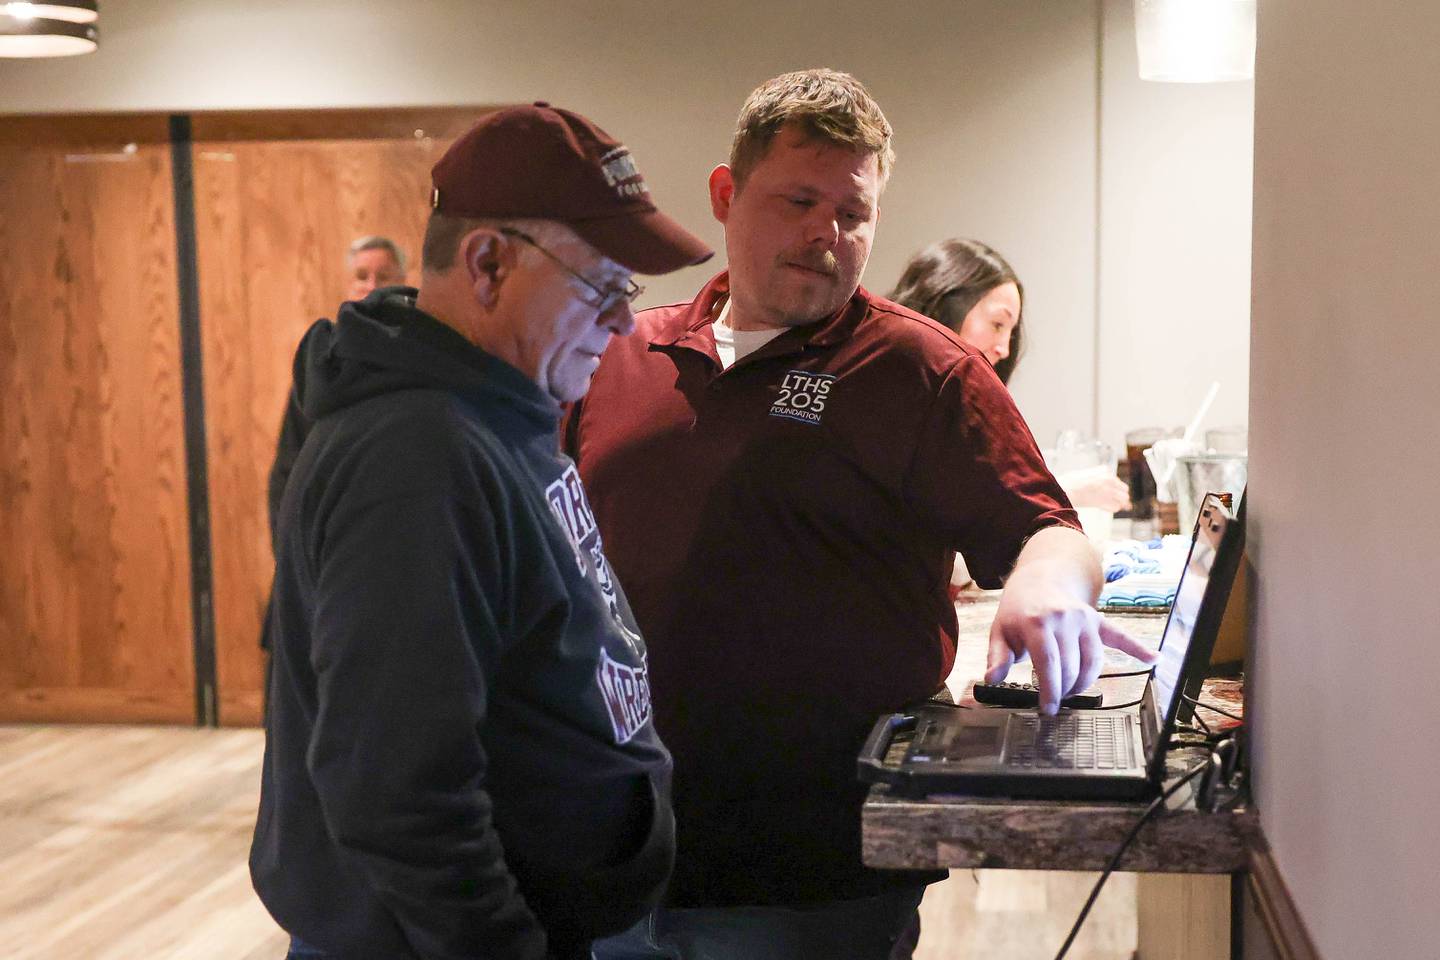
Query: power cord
[[1223, 713], [1131, 673], [1128, 673], [1150, 811], [1221, 765]]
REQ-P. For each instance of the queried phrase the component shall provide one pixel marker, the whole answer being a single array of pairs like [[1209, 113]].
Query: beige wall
[[1174, 311], [994, 103], [995, 123], [1344, 404]]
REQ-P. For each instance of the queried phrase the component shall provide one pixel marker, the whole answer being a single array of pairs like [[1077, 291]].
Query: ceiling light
[[36, 36], [74, 11], [1195, 41]]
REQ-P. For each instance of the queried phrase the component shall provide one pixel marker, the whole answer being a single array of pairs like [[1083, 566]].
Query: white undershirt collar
[[733, 345]]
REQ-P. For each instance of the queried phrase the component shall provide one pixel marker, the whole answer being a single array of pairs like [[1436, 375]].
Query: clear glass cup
[[1227, 440], [1143, 509], [1197, 474], [1079, 461]]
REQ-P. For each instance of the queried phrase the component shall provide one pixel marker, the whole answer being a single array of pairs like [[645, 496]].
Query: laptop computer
[[1077, 754]]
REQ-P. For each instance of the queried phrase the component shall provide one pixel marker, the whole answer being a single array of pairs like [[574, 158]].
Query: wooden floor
[[1025, 915], [129, 843]]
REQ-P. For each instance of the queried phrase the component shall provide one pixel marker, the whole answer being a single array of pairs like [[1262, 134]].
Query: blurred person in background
[[970, 288], [373, 261]]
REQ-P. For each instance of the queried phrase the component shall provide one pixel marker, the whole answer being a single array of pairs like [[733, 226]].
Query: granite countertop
[[956, 831]]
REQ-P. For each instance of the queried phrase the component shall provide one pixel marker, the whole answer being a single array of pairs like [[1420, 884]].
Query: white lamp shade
[[43, 37], [74, 11], [1195, 41]]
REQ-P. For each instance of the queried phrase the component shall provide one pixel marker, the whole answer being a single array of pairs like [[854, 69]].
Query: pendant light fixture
[[53, 28], [1195, 41]]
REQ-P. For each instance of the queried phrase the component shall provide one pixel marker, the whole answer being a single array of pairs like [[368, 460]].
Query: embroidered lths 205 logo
[[802, 396]]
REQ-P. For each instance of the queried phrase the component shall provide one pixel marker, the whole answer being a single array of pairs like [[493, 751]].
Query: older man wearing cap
[[460, 759]]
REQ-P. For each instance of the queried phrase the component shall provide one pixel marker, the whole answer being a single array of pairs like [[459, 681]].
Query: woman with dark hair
[[969, 287]]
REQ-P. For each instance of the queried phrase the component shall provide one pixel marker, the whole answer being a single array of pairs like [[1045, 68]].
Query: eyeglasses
[[606, 298]]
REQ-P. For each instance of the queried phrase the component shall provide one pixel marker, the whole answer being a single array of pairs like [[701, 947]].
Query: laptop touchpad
[[940, 742]]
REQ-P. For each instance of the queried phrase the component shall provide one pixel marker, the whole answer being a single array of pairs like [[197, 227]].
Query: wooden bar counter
[[954, 831], [949, 831]]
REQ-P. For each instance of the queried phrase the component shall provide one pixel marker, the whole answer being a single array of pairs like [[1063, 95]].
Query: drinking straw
[[1191, 430]]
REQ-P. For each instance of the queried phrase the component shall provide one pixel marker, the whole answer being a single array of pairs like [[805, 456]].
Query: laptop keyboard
[[1070, 741]]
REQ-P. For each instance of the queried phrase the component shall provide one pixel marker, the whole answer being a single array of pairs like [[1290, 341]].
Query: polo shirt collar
[[686, 328]]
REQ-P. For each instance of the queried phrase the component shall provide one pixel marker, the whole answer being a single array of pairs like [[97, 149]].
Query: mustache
[[823, 261]]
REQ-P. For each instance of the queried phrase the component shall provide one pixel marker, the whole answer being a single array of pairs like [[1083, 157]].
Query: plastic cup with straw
[[1188, 437]]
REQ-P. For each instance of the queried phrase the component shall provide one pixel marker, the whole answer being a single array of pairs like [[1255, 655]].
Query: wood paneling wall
[[95, 590], [279, 198], [95, 618]]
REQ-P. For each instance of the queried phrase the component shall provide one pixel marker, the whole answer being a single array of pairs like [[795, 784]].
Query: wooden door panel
[[277, 204], [95, 619]]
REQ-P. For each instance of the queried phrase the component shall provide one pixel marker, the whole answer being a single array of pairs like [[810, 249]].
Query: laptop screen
[[1169, 676]]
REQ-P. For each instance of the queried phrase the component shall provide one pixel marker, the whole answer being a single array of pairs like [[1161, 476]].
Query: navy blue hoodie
[[459, 755]]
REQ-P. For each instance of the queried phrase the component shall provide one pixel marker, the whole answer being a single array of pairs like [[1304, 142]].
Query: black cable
[[1185, 730], [1132, 673], [1223, 713], [1122, 706], [1155, 805]]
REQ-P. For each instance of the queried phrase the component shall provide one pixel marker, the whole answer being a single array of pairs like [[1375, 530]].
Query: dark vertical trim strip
[[1238, 879], [1276, 909], [202, 588]]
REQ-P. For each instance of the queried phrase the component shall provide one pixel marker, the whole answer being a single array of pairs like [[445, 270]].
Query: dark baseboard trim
[[1271, 902]]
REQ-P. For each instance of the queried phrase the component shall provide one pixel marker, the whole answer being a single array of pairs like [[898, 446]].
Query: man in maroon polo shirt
[[782, 470]]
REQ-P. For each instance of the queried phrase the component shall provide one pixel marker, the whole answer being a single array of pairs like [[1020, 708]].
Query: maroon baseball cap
[[541, 162]]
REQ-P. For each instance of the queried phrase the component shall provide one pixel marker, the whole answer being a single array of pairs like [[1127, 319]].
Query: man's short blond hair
[[825, 105]]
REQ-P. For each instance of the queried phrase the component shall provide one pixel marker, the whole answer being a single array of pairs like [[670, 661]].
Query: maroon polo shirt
[[785, 531]]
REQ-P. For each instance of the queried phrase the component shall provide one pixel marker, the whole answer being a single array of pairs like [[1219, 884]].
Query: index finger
[[1046, 659], [1117, 639]]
